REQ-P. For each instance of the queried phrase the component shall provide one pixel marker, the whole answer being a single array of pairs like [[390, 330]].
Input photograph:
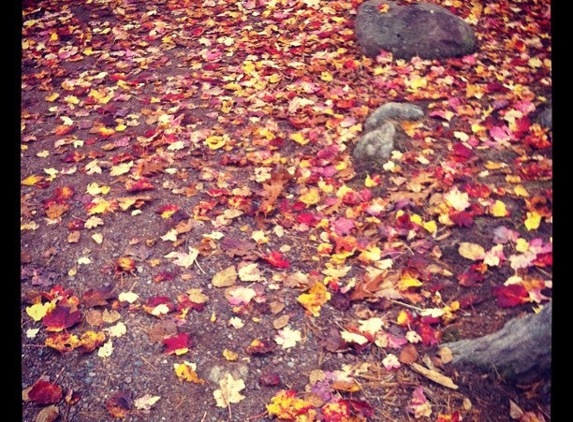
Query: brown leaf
[[408, 354], [48, 414], [99, 297], [273, 188], [119, 406], [158, 332]]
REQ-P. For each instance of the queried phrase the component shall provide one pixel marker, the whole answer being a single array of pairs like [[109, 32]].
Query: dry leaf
[[225, 278], [434, 376]]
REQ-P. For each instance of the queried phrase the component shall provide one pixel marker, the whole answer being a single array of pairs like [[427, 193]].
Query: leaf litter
[[185, 166]]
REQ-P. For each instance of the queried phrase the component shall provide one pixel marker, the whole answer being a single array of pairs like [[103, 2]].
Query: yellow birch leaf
[[186, 372], [311, 196], [326, 76], [72, 99], [471, 251], [408, 281], [32, 180], [225, 278], [430, 226], [215, 142], [52, 97], [39, 310], [121, 168], [230, 355], [299, 138], [519, 190], [498, 209], [97, 238], [532, 221], [317, 296]]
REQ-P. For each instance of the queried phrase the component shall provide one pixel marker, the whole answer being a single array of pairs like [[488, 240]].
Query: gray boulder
[[425, 30], [378, 143], [392, 111]]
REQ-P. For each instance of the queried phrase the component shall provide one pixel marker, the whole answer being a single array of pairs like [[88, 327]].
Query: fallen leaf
[[225, 278], [146, 402], [287, 337], [471, 251], [229, 391]]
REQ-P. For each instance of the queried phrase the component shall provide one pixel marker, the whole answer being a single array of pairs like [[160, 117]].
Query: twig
[[415, 308], [259, 416]]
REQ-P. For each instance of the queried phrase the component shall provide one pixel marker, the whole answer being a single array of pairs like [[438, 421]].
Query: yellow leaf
[[186, 372], [121, 168], [52, 97], [230, 355], [128, 297], [32, 180], [471, 251], [402, 318], [370, 254], [498, 209], [519, 190], [285, 405], [72, 99], [408, 281], [299, 138], [417, 82], [215, 141], [39, 310], [98, 238], [456, 199], [317, 296], [535, 62], [416, 219], [225, 278], [287, 337], [371, 182], [95, 189], [326, 76], [430, 226], [311, 196], [100, 207], [532, 221]]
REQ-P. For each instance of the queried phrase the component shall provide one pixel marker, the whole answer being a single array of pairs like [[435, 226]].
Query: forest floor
[[197, 243]]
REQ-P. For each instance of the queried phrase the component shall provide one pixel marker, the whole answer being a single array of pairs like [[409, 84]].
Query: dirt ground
[[173, 230]]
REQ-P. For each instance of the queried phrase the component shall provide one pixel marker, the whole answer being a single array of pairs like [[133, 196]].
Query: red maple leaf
[[470, 278], [177, 344], [461, 153], [45, 392], [138, 186], [275, 258], [430, 337], [510, 296], [462, 219], [60, 318]]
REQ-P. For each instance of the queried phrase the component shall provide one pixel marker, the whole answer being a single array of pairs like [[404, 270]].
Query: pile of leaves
[[192, 220]]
